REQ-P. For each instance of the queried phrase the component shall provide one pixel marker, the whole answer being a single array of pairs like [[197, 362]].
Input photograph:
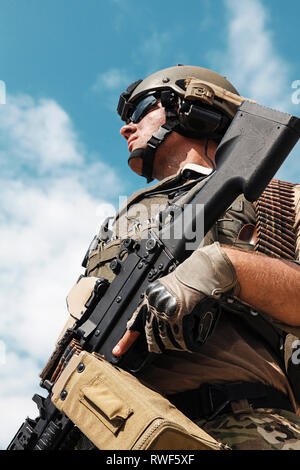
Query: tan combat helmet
[[176, 79], [198, 102]]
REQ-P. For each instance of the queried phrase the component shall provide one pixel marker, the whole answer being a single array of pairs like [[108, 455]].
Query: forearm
[[268, 284]]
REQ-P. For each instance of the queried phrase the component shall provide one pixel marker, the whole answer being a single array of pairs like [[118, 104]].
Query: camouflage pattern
[[262, 429]]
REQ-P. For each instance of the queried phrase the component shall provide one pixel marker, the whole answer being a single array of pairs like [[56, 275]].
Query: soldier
[[241, 386]]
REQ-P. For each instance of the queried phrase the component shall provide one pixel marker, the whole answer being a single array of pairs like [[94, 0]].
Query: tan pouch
[[117, 412], [77, 299]]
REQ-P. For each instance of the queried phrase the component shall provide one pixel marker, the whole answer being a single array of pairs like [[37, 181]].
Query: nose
[[127, 130]]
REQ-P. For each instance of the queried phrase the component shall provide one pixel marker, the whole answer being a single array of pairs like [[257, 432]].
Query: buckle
[[241, 406]]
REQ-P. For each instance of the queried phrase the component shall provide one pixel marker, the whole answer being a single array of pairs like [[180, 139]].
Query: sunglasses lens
[[142, 107]]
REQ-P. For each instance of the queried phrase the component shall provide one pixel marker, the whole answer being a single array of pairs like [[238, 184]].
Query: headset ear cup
[[200, 122]]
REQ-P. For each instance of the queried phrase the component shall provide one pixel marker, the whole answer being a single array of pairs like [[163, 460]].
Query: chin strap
[[148, 154]]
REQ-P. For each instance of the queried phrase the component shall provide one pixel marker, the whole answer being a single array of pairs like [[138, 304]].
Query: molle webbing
[[275, 215]]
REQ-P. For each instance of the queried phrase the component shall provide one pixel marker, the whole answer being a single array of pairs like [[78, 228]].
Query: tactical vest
[[263, 226]]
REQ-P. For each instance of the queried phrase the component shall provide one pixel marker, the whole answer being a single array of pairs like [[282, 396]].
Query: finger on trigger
[[125, 342]]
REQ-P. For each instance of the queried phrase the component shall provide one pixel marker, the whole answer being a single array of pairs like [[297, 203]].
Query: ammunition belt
[[73, 348], [275, 220]]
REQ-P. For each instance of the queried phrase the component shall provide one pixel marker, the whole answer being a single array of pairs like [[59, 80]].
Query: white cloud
[[43, 242], [48, 216], [155, 50], [252, 63], [156, 44], [17, 387], [112, 79], [251, 60], [39, 133], [110, 84]]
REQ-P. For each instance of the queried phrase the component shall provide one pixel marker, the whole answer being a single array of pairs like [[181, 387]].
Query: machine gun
[[250, 153]]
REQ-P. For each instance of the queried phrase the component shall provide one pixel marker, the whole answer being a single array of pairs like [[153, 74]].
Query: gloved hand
[[168, 312]]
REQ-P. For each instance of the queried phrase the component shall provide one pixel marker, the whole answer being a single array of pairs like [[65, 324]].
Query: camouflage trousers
[[261, 429]]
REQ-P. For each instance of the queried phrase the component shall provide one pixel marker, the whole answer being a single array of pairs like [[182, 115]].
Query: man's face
[[138, 134], [173, 153]]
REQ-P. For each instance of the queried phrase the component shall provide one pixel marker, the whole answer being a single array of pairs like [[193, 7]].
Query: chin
[[136, 164]]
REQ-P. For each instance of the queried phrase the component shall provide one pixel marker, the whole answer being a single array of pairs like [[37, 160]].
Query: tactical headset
[[199, 103]]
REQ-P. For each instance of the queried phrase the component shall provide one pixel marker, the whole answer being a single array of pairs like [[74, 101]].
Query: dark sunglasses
[[142, 108]]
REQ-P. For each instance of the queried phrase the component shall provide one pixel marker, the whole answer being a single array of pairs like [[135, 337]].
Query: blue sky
[[63, 163]]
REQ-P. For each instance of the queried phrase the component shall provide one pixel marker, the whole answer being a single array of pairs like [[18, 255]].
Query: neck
[[186, 151]]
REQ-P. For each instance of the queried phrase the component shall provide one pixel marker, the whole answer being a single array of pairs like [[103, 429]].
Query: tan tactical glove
[[180, 310]]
